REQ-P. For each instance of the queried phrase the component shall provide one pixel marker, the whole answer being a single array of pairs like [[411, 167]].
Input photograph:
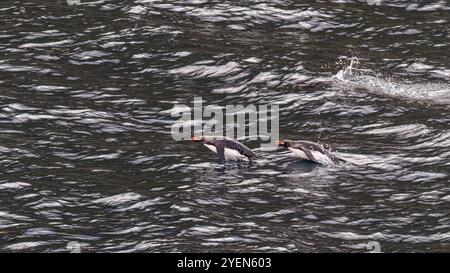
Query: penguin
[[227, 149], [310, 151]]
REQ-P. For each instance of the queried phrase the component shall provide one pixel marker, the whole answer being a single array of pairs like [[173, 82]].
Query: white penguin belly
[[299, 153], [211, 147], [230, 154]]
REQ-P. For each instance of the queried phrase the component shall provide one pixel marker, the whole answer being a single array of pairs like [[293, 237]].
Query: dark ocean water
[[87, 158]]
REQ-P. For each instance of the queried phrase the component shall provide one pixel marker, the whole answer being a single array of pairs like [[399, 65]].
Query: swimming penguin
[[310, 151], [226, 148]]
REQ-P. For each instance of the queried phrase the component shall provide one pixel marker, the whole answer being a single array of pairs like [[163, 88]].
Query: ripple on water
[[14, 185], [119, 199], [199, 71]]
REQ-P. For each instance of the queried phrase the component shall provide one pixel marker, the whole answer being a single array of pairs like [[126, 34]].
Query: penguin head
[[284, 143], [197, 138]]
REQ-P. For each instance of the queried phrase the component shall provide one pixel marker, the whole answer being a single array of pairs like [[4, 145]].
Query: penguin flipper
[[220, 152], [311, 156]]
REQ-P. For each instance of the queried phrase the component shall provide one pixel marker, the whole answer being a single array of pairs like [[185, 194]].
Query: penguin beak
[[280, 142], [196, 139]]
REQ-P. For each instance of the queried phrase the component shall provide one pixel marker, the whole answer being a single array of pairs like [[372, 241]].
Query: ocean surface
[[88, 162]]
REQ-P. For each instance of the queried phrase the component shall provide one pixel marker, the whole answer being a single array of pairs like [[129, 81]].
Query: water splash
[[353, 78]]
